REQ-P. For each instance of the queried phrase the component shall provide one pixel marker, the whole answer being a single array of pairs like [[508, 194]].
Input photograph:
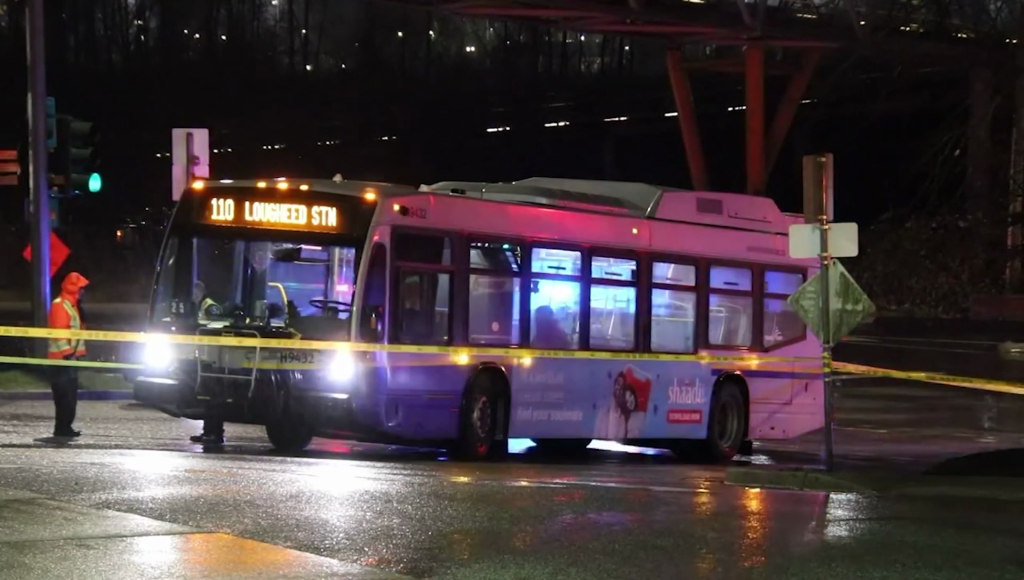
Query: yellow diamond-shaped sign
[[848, 305]]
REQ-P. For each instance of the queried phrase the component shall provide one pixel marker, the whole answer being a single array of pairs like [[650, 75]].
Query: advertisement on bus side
[[611, 399]]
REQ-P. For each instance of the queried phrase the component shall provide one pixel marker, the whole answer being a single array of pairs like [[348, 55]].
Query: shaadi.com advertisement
[[611, 399]]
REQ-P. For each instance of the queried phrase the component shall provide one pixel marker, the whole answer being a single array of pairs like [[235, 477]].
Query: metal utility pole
[[39, 182]]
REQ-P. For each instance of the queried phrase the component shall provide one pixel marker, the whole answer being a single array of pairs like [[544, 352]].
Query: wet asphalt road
[[608, 515]]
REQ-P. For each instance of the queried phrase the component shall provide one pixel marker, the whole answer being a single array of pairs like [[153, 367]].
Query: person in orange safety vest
[[66, 314]]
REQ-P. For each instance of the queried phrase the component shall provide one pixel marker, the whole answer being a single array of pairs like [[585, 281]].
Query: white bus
[[557, 310]]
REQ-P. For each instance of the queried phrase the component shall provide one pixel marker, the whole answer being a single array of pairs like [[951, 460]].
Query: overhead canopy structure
[[954, 28], [945, 33]]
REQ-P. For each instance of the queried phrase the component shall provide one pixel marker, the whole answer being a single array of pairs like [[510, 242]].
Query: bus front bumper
[[170, 396]]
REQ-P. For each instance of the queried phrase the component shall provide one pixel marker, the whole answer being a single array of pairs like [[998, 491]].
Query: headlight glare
[[157, 353], [342, 367]]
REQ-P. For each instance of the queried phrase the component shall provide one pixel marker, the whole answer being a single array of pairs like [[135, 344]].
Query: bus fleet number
[[298, 357]]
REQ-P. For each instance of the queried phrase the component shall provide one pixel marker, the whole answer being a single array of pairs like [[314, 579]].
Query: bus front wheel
[[482, 417], [289, 434]]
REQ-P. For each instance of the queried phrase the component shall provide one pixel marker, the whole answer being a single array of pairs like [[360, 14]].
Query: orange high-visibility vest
[[62, 347]]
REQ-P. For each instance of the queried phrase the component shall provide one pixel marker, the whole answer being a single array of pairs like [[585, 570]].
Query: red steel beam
[[786, 112], [683, 94], [656, 29], [521, 12], [757, 177]]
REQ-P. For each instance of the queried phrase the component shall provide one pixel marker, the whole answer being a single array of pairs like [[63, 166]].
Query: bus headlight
[[157, 353], [342, 367]]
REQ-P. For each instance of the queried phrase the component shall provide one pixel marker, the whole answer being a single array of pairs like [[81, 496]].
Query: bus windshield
[[252, 282]]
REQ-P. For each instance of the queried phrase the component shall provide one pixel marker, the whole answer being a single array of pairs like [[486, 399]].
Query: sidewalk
[[19, 385], [935, 462], [44, 539]]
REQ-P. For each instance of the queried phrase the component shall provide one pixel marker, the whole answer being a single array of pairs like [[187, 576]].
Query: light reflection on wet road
[[611, 515]]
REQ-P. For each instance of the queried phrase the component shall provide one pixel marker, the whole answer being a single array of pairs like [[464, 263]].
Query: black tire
[[480, 420], [727, 428], [289, 434], [562, 446]]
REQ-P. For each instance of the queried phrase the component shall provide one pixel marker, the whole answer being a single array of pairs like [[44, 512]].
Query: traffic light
[[77, 157]]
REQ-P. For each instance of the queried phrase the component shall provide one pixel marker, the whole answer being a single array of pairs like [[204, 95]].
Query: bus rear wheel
[[727, 428], [289, 434], [481, 421]]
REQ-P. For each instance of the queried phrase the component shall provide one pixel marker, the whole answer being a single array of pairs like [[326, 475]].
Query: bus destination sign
[[253, 213]]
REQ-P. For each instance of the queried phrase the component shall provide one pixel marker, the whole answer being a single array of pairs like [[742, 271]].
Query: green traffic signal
[[78, 156]]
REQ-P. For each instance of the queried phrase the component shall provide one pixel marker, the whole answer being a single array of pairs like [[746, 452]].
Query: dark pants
[[64, 385], [213, 427], [213, 424]]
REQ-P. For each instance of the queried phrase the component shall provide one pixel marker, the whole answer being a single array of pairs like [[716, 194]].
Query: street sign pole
[[190, 160], [190, 175], [39, 192], [826, 322], [831, 303], [818, 208]]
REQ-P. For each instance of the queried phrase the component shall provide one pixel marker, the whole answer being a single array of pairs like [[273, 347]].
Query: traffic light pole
[[39, 183]]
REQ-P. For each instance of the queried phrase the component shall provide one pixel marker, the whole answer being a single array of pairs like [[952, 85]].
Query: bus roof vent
[[722, 209], [708, 205]]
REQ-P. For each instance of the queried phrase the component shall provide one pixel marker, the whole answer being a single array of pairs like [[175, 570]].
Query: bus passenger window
[[493, 310], [612, 304], [781, 323], [423, 307], [494, 293], [730, 306], [673, 307], [555, 298]]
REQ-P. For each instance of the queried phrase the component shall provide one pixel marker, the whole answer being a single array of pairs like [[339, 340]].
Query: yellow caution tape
[[464, 355], [458, 352], [935, 378]]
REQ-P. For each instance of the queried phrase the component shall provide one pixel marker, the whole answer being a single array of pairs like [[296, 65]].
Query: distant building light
[[672, 114], [613, 119]]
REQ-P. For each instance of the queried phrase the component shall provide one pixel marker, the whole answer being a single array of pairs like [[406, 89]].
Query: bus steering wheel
[[324, 303]]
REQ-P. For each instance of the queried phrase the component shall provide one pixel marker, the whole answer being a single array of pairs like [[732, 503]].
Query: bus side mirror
[[371, 324]]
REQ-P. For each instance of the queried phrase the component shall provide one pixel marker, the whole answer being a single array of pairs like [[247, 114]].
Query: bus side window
[[374, 296], [422, 315], [424, 277], [781, 323], [731, 306], [612, 303], [555, 298], [494, 293], [673, 307]]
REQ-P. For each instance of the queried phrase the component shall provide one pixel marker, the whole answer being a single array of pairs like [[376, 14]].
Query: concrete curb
[[121, 395], [886, 484]]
